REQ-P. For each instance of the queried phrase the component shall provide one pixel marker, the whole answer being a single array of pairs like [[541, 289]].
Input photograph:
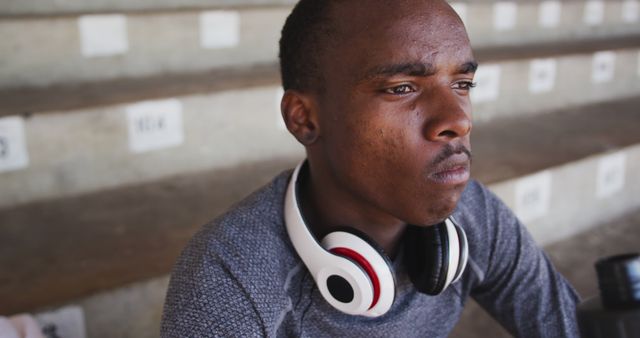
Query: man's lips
[[453, 170]]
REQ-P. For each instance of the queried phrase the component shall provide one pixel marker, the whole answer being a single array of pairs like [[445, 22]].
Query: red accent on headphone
[[345, 252]]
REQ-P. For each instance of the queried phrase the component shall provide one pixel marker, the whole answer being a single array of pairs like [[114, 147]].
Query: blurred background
[[125, 125]]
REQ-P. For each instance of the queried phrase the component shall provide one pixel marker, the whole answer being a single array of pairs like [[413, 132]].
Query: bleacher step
[[61, 249], [519, 146], [68, 97]]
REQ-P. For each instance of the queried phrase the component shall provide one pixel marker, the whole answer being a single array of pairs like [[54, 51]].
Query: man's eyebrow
[[468, 67], [414, 69], [410, 69]]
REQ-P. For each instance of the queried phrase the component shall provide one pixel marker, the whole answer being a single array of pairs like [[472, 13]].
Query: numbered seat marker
[[103, 35], [549, 14], [13, 147], [542, 75], [505, 15], [603, 67], [219, 29], [533, 196], [68, 321], [155, 125], [593, 12], [487, 78], [611, 175], [630, 11]]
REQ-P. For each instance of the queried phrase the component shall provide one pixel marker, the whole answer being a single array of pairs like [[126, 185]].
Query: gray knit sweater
[[240, 277]]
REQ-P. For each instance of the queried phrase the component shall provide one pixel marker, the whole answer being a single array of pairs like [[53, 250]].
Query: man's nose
[[447, 117]]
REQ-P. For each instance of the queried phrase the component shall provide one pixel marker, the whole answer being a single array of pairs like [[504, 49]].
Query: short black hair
[[304, 36]]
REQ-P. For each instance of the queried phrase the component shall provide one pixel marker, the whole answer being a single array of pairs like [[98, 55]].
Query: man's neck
[[326, 207]]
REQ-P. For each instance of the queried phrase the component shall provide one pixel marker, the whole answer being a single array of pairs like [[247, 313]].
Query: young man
[[378, 93]]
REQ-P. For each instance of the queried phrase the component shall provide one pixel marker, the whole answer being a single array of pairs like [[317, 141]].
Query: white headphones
[[354, 275]]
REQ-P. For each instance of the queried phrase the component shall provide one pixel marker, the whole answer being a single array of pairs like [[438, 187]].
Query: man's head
[[378, 93]]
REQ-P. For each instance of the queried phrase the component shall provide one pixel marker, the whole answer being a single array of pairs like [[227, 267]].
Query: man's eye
[[464, 85], [399, 90]]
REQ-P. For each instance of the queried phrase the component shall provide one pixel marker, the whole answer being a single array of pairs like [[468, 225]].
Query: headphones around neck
[[355, 276]]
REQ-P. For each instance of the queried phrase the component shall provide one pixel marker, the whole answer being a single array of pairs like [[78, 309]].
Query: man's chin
[[432, 216], [441, 210]]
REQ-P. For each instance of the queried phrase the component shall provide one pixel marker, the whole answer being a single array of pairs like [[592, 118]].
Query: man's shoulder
[[252, 229], [231, 273], [247, 242], [259, 212]]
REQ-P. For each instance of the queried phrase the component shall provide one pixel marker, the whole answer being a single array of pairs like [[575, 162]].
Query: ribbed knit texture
[[240, 277]]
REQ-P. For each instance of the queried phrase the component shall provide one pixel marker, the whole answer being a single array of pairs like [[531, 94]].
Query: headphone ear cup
[[425, 257], [435, 256], [369, 257]]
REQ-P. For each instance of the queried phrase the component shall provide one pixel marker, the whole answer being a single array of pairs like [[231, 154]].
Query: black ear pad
[[426, 257]]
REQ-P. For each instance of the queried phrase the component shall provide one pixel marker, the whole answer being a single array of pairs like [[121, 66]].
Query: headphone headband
[[297, 228], [350, 274]]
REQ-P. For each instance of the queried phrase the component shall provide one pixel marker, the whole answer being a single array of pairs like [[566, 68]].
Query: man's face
[[394, 113]]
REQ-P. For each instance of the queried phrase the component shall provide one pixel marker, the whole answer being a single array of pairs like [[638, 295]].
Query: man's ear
[[300, 115]]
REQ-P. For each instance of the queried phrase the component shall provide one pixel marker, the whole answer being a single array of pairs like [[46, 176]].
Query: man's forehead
[[390, 38], [376, 12], [422, 57], [408, 21]]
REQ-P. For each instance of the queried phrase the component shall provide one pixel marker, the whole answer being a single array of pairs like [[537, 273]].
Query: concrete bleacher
[[97, 214], [52, 50]]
